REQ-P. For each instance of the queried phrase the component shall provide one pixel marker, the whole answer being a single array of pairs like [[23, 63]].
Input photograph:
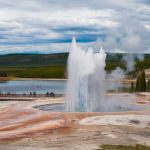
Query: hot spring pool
[[60, 107]]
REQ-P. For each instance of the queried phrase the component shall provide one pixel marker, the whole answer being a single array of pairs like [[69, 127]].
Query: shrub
[[124, 147], [148, 86], [3, 74], [141, 82], [132, 87]]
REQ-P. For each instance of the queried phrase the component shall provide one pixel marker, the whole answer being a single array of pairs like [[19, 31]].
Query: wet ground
[[24, 127]]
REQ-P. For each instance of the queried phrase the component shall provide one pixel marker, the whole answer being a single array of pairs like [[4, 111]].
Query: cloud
[[40, 24]]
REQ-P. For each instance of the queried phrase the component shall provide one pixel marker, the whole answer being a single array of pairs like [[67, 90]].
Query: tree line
[[141, 84]]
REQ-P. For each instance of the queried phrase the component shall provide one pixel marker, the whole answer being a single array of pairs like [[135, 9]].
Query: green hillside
[[32, 60], [54, 65]]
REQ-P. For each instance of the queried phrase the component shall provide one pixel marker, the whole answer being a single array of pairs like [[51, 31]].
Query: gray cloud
[[122, 25]]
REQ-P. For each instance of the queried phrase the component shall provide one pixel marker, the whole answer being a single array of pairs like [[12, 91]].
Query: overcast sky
[[47, 26]]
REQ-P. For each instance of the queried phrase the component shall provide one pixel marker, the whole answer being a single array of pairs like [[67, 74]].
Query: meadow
[[55, 65]]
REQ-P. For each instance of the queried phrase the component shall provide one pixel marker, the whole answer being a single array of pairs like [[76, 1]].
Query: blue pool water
[[38, 86]]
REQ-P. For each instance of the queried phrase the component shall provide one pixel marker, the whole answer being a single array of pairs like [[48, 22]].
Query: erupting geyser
[[86, 79], [87, 85]]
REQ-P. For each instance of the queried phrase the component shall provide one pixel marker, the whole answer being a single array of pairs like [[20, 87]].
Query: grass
[[54, 65], [124, 147], [34, 65], [57, 71]]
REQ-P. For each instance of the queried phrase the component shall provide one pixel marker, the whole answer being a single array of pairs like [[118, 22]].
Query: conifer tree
[[132, 87], [141, 82]]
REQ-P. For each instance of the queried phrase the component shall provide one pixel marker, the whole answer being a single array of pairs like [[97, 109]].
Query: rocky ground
[[23, 127]]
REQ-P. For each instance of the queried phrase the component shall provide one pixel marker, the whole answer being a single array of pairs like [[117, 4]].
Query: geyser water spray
[[86, 79]]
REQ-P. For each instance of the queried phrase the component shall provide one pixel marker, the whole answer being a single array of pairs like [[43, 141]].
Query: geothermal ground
[[23, 127]]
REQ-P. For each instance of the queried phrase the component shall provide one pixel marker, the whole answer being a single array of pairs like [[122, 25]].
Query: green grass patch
[[54, 65], [57, 71], [124, 147]]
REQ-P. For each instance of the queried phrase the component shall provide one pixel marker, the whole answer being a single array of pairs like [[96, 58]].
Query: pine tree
[[141, 82], [132, 87], [148, 86]]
